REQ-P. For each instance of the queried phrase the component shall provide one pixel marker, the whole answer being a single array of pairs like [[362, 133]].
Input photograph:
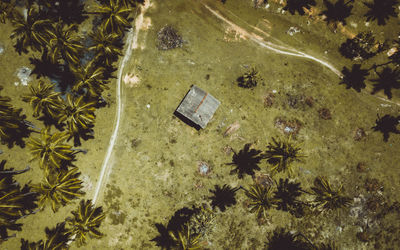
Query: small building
[[197, 107]]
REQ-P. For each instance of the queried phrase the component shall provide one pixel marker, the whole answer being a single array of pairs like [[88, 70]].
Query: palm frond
[[86, 222], [51, 150], [59, 190]]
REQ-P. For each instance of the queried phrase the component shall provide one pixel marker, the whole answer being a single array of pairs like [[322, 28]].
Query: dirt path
[[280, 49], [132, 40]]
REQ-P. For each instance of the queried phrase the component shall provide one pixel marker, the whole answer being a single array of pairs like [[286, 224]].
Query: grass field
[[154, 166]]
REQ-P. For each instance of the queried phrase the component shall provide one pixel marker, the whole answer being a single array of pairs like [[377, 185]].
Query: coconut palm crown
[[42, 98], [107, 46], [13, 126], [89, 80], [30, 31], [114, 16], [78, 115], [60, 189], [64, 44], [86, 222], [51, 150]]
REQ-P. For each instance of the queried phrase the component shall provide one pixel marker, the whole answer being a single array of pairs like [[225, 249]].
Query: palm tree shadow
[[82, 134], [381, 10], [177, 221], [298, 5], [355, 77], [246, 161], [223, 197], [387, 80], [337, 12], [387, 124], [71, 11]]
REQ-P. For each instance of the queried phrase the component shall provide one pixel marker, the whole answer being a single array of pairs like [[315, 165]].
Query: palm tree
[[42, 98], [281, 154], [31, 31], [298, 5], [355, 77], [57, 239], [13, 126], [246, 161], [261, 199], [114, 15], [79, 117], [64, 43], [328, 198], [15, 202], [387, 80], [59, 189], [51, 150], [89, 80], [186, 238], [86, 221], [337, 12], [107, 46], [381, 10]]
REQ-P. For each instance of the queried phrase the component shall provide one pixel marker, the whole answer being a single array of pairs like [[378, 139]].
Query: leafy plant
[[13, 126], [57, 239], [107, 46], [246, 161], [30, 32], [387, 124], [250, 79], [50, 149], [355, 77], [86, 222], [337, 12], [287, 195], [64, 43], [114, 15], [328, 198], [223, 197], [15, 202], [79, 117], [60, 189], [261, 199], [381, 10], [42, 98], [281, 154], [387, 80], [298, 5], [89, 80]]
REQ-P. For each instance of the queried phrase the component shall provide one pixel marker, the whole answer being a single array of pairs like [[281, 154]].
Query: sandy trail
[[132, 39], [280, 49]]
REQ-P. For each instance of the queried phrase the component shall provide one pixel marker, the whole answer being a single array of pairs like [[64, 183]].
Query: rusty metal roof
[[198, 106]]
